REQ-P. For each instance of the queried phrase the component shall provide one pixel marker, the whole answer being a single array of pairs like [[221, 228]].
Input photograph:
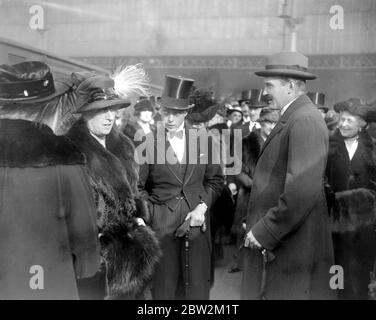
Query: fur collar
[[30, 144], [115, 165]]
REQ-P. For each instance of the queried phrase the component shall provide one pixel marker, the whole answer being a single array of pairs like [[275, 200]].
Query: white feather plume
[[131, 82]]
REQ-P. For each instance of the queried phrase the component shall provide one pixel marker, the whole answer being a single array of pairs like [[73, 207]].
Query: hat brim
[[60, 89], [182, 108], [286, 73], [115, 104]]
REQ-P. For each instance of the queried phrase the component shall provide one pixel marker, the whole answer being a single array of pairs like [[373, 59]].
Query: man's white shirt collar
[[283, 110], [178, 145]]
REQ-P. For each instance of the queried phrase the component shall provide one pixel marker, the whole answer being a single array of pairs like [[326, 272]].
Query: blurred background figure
[[351, 174], [143, 112], [47, 210], [251, 109], [318, 100]]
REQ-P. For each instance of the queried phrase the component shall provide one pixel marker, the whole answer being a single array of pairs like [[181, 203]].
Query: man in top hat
[[136, 131], [180, 191], [290, 248], [318, 100], [48, 232], [251, 111]]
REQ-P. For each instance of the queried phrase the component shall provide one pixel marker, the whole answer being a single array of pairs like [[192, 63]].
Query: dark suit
[[173, 191], [287, 210]]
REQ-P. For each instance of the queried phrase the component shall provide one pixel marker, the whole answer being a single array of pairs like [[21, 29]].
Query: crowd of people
[[141, 209]]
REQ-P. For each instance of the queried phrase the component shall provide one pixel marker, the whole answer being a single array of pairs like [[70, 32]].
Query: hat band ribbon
[[28, 89], [283, 66]]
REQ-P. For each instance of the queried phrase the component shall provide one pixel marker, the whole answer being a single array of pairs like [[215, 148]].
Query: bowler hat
[[176, 93], [318, 100], [287, 64], [96, 92], [205, 106], [29, 82], [255, 97], [357, 107]]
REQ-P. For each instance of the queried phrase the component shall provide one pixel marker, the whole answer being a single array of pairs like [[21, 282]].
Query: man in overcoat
[[180, 190], [289, 251]]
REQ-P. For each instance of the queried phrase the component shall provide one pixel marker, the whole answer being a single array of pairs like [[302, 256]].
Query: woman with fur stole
[[129, 248], [351, 174]]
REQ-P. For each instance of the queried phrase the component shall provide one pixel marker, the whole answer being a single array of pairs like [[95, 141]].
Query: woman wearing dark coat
[[351, 174], [130, 249]]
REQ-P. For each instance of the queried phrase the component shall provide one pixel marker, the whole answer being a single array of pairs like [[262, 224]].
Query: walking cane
[[186, 281], [267, 256]]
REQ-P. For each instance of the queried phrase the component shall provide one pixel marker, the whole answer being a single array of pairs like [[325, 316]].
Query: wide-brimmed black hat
[[318, 100], [143, 105], [176, 93], [29, 82], [287, 64], [255, 98], [234, 109], [205, 106], [357, 107], [96, 92]]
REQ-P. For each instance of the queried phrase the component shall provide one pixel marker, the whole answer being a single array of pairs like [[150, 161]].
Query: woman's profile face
[[101, 122]]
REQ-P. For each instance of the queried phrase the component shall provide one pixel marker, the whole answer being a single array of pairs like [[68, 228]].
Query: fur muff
[[356, 209], [130, 251]]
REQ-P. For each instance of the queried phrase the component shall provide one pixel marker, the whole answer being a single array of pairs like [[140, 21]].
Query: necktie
[[176, 134]]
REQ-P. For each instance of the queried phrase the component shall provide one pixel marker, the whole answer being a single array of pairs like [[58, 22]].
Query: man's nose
[[170, 117]]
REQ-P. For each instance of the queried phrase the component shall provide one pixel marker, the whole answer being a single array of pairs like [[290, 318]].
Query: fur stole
[[30, 144], [130, 251]]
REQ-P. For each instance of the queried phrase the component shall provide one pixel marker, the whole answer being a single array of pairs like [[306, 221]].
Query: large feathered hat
[[96, 92]]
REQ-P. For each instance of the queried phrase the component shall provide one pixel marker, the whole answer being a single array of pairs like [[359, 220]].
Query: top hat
[[143, 105], [96, 92], [29, 82], [176, 93], [255, 97], [318, 100], [357, 107], [287, 64], [205, 106]]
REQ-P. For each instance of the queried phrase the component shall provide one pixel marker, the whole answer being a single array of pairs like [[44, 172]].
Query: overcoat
[[287, 210], [47, 215]]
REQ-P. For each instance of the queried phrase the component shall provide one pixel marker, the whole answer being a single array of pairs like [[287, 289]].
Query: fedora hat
[[287, 64], [205, 106], [318, 100], [176, 93], [96, 92], [29, 82], [255, 98]]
